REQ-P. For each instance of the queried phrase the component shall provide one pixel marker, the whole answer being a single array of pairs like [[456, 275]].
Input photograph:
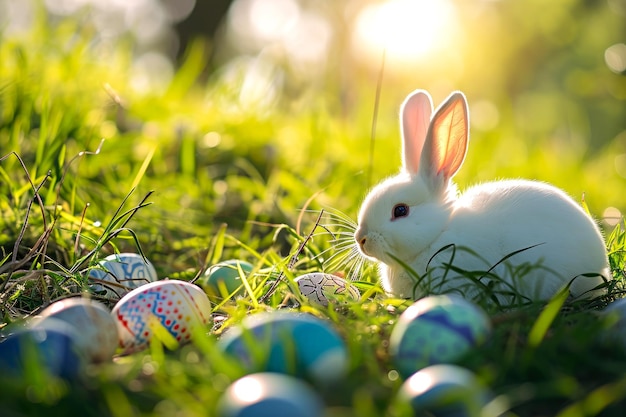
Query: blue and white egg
[[120, 273], [443, 391], [436, 329], [269, 395]]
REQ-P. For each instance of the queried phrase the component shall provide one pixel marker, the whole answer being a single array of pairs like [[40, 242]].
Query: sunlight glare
[[248, 389], [408, 29], [420, 382]]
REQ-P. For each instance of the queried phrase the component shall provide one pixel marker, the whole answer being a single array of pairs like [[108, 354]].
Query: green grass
[[189, 177]]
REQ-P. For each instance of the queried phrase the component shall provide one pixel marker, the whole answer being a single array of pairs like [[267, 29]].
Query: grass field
[[190, 175]]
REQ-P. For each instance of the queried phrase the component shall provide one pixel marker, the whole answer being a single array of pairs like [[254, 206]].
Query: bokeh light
[[407, 30], [615, 57], [248, 390], [284, 29], [548, 75], [420, 382]]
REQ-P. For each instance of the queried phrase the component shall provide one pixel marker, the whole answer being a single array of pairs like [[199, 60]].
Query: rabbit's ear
[[416, 111], [447, 139]]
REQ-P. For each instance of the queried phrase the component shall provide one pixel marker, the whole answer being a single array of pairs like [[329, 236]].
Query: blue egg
[[443, 391], [436, 329], [290, 343], [269, 395], [51, 348], [615, 316]]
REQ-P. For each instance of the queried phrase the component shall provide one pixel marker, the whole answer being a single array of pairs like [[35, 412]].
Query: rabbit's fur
[[515, 236]]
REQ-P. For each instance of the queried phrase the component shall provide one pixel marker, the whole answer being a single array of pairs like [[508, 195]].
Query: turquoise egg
[[289, 343], [223, 279]]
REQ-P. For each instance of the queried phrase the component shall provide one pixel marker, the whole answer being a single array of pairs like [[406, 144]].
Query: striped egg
[[437, 329]]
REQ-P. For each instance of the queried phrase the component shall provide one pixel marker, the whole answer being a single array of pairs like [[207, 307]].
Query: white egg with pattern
[[120, 273], [320, 288]]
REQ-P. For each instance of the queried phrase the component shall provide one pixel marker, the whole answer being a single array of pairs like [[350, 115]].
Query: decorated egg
[[443, 391], [287, 342], [223, 279], [320, 287], [171, 308], [96, 331], [269, 395], [124, 271], [615, 316], [51, 349], [436, 329]]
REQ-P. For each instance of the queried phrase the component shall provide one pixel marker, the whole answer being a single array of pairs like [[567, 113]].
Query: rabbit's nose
[[361, 236]]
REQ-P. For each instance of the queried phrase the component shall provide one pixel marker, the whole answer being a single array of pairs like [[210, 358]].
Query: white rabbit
[[516, 237]]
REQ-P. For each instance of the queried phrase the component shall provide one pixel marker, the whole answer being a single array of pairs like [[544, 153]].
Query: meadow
[[97, 159]]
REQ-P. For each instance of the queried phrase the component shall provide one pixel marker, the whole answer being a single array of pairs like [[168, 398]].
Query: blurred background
[[546, 81], [546, 62]]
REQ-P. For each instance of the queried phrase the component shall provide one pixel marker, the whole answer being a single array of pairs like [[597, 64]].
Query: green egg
[[223, 279]]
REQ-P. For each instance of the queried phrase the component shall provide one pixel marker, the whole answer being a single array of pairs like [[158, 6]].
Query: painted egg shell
[[320, 287], [177, 306], [223, 279], [125, 271], [443, 390], [436, 329], [287, 342], [269, 395], [615, 315], [51, 348], [96, 329]]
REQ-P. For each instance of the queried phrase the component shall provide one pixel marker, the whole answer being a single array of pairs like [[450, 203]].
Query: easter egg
[[269, 395], [436, 329], [51, 349], [125, 271], [171, 307], [96, 331], [615, 315], [443, 391], [287, 342], [320, 287], [223, 279]]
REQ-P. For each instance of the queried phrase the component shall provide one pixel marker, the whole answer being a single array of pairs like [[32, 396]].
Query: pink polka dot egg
[[172, 309]]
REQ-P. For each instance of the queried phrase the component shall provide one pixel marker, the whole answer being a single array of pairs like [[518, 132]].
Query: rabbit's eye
[[400, 210]]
